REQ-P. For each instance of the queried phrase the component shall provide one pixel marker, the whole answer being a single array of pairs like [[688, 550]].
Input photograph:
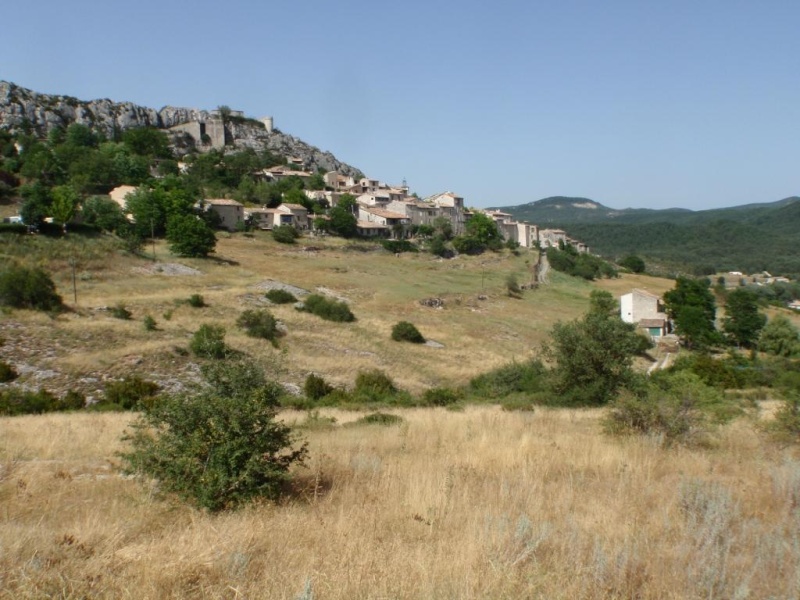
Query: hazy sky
[[692, 104]]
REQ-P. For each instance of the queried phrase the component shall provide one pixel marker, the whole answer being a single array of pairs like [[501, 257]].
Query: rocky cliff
[[21, 108]]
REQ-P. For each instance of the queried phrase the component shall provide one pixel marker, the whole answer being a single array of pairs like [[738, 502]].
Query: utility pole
[[153, 237], [74, 282]]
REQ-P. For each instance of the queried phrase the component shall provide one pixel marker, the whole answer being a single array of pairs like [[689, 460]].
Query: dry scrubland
[[473, 504], [83, 347]]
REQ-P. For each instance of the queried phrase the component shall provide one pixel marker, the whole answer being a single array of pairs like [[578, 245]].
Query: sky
[[632, 103]]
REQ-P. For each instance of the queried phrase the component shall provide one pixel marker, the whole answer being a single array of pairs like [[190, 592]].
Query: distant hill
[[749, 238]]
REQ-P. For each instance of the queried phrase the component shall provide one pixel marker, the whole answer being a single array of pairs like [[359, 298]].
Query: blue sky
[[692, 104]]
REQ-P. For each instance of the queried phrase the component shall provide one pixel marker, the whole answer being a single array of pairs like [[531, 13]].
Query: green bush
[[16, 401], [149, 323], [7, 372], [527, 377], [375, 386], [259, 324], [130, 393], [407, 332], [512, 286], [196, 301], [21, 287], [679, 407], [328, 309], [120, 312], [442, 396], [399, 246], [72, 400], [785, 428], [190, 236], [218, 449], [316, 388], [380, 418], [374, 383], [280, 296], [209, 342], [285, 234]]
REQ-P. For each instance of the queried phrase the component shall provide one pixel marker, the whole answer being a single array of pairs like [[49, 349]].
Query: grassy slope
[[381, 288]]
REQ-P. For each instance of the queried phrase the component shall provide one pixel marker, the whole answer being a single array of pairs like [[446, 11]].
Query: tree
[[692, 307], [23, 287], [743, 322], [594, 355], [342, 222], [633, 263], [189, 235], [780, 337], [220, 448], [147, 141], [36, 203], [104, 213], [65, 203], [483, 228], [149, 211]]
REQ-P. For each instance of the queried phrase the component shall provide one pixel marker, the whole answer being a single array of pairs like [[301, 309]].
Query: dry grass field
[[474, 504]]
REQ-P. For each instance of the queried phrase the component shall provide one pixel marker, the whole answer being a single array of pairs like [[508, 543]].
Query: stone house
[[298, 212], [645, 310], [230, 212], [380, 216], [268, 218]]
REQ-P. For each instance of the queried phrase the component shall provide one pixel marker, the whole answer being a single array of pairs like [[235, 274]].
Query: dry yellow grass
[[476, 504]]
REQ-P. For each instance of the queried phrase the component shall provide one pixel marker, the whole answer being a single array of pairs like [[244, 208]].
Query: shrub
[[786, 426], [376, 386], [379, 418], [512, 286], [21, 287], [407, 332], [259, 324], [209, 342], [149, 323], [678, 407], [285, 234], [442, 396], [72, 400], [438, 247], [120, 312], [7, 372], [280, 296], [196, 301], [524, 377], [398, 246], [330, 310], [316, 388], [130, 393], [218, 449], [16, 401], [190, 236]]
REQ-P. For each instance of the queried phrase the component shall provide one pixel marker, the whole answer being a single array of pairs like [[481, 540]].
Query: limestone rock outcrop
[[22, 109]]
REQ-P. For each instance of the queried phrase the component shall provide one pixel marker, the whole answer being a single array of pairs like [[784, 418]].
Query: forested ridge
[[750, 238]]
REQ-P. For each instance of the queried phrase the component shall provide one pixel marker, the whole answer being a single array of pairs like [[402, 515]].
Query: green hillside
[[748, 238]]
